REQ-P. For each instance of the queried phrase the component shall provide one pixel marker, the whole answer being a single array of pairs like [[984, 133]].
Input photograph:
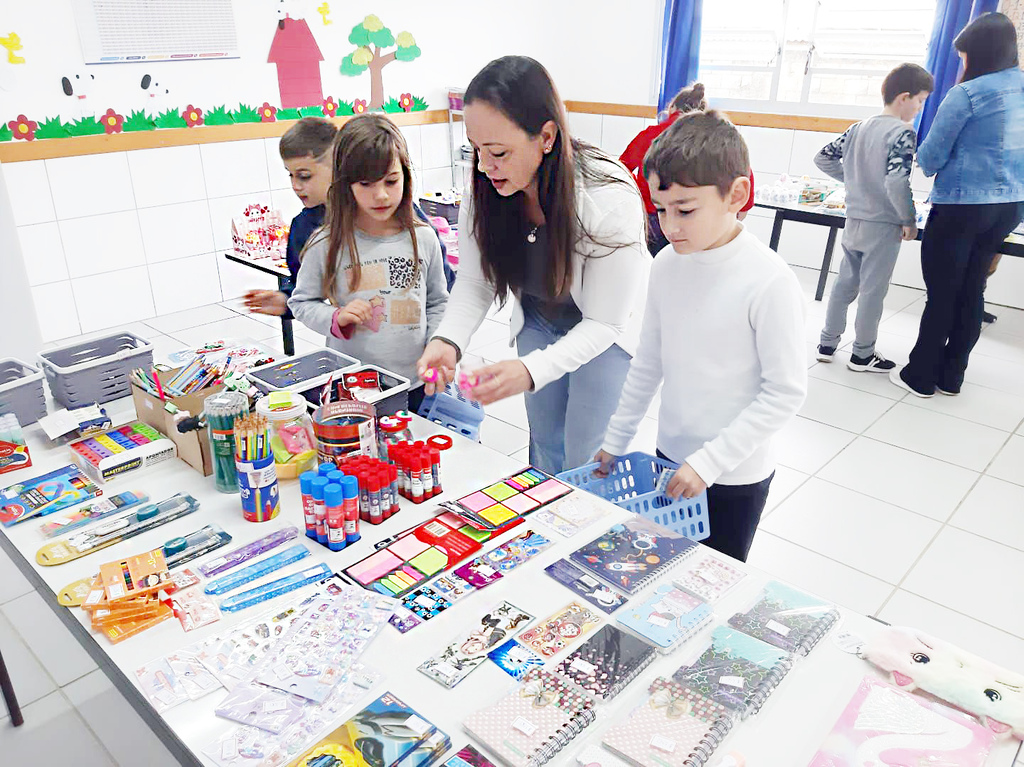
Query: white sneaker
[[896, 378]]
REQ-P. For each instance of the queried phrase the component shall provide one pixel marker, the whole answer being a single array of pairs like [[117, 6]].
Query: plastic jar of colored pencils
[[257, 475], [221, 411]]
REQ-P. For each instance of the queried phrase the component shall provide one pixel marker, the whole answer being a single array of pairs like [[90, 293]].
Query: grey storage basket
[[95, 370], [21, 391], [302, 373]]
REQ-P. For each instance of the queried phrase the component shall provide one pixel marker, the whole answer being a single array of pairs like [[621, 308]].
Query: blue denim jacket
[[975, 147]]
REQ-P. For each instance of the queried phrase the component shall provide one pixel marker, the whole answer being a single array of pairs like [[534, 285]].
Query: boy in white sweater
[[723, 329]]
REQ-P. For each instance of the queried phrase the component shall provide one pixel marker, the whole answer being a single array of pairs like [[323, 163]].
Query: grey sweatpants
[[870, 249]]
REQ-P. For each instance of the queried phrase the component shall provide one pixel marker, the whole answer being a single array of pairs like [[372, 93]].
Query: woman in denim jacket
[[975, 150]]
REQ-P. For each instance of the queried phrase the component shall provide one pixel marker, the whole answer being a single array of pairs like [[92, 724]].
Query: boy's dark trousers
[[733, 513]]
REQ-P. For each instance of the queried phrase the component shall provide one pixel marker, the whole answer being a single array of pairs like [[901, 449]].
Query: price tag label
[[524, 726], [273, 706], [229, 748], [582, 666], [658, 620], [778, 628], [733, 681], [662, 743], [416, 724]]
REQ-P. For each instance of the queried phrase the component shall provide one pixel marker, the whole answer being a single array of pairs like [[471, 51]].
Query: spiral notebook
[[633, 554], [607, 662], [530, 725], [674, 727], [736, 670], [667, 617], [709, 577], [788, 618]]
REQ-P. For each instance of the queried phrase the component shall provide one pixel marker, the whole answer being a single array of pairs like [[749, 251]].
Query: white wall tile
[[275, 165], [89, 185], [223, 209], [236, 279], [806, 145], [103, 243], [617, 131], [29, 190], [176, 231], [235, 167], [586, 127], [437, 180], [285, 201], [167, 175], [56, 311], [185, 283], [106, 300], [414, 141], [43, 253], [804, 244], [435, 146], [769, 148]]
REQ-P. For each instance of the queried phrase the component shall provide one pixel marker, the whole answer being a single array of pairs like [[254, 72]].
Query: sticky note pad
[[521, 504], [280, 399], [548, 491], [408, 546], [374, 566], [497, 514], [476, 501], [500, 491], [480, 536], [430, 561]]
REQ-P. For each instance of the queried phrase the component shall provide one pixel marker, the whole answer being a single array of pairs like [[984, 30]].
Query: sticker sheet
[[560, 630]]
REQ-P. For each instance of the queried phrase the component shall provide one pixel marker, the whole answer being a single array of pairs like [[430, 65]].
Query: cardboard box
[[194, 446]]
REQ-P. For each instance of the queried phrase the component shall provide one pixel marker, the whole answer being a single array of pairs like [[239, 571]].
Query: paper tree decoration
[[371, 37], [298, 58]]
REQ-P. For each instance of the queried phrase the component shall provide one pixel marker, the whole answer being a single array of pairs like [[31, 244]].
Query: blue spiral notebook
[[667, 617]]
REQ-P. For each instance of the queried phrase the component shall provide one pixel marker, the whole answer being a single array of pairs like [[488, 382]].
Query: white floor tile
[[511, 410], [807, 445], [300, 331], [489, 332], [502, 437], [822, 576], [1009, 464], [54, 645], [234, 327], [900, 477], [12, 583], [957, 571], [497, 351], [906, 609], [889, 345], [906, 323], [993, 510], [872, 383], [163, 346], [940, 436], [979, 404], [30, 680], [864, 533], [996, 374], [120, 729], [190, 318], [522, 455], [1003, 346], [841, 406], [53, 734], [785, 482]]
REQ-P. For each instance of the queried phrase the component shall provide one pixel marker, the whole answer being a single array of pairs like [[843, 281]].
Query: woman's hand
[[686, 483], [500, 380], [272, 302], [436, 366]]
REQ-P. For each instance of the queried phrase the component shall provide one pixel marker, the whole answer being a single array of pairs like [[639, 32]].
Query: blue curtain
[[951, 16], [680, 47]]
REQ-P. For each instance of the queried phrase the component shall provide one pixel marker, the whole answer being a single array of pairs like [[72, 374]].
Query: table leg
[[287, 337], [826, 263], [773, 243], [8, 692]]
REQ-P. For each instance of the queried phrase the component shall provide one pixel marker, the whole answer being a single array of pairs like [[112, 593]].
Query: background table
[[267, 266], [786, 733], [836, 220]]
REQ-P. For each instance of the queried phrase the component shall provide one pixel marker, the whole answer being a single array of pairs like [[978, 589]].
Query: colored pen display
[[257, 570], [276, 588]]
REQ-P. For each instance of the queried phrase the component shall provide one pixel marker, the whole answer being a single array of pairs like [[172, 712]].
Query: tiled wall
[[114, 238]]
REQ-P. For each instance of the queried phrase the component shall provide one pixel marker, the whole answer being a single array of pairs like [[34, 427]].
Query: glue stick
[[427, 474], [373, 491], [416, 474], [308, 507], [324, 468], [393, 478], [334, 501], [352, 491], [319, 509], [435, 470]]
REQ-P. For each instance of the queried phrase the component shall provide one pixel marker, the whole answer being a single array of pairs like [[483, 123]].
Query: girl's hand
[[354, 313], [607, 460], [686, 483], [436, 367], [272, 302], [500, 380]]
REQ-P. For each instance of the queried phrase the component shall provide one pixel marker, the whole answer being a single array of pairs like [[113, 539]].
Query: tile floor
[[893, 506]]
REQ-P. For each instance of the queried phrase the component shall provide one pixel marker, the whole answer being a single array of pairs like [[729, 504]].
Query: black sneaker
[[988, 318], [876, 363], [826, 353]]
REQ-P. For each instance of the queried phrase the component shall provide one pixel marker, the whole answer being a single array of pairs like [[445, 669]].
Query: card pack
[[564, 628], [601, 595]]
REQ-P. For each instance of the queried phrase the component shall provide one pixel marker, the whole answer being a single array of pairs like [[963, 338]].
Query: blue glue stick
[[320, 510], [325, 468], [334, 501], [350, 487], [308, 505]]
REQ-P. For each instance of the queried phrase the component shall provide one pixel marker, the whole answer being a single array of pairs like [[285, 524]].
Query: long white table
[[786, 732]]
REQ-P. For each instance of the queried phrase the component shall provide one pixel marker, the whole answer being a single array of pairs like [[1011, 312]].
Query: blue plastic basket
[[452, 410], [632, 485]]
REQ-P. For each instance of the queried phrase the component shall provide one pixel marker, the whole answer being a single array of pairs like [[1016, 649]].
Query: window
[[809, 52]]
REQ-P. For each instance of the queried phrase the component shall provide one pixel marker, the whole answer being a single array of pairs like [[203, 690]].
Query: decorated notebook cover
[[709, 577], [515, 496], [468, 756], [568, 515], [786, 617], [45, 494], [561, 630], [458, 659], [667, 617], [736, 670], [633, 553], [530, 725], [515, 659], [583, 584], [674, 727], [606, 662], [886, 727]]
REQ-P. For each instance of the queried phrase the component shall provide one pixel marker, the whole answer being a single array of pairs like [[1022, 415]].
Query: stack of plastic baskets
[[632, 484], [95, 371], [452, 410], [21, 391]]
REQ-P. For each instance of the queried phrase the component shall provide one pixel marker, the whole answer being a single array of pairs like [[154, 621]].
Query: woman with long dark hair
[[975, 150], [557, 227]]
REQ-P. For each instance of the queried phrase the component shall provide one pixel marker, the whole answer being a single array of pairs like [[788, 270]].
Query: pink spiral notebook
[[883, 726]]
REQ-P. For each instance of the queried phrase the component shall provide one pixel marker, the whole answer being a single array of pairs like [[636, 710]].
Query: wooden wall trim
[[754, 119]]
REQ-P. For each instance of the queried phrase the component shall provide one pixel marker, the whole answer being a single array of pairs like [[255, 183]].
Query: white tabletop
[[786, 732]]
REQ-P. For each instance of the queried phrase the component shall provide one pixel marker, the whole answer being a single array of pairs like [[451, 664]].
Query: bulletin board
[[124, 31]]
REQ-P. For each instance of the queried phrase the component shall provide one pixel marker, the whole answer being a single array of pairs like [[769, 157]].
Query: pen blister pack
[[242, 554], [101, 509], [181, 551]]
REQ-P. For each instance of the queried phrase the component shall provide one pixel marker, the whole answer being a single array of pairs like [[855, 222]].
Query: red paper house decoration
[[298, 58]]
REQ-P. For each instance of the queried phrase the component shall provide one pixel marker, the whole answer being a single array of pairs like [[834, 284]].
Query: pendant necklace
[[532, 236]]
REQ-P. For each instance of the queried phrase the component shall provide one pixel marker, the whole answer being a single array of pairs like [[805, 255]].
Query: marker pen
[[308, 508], [334, 501], [352, 491], [320, 510]]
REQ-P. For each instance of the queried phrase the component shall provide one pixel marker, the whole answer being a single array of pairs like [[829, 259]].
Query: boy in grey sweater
[[874, 159]]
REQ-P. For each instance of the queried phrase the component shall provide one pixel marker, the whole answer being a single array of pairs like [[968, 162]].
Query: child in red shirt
[[687, 100]]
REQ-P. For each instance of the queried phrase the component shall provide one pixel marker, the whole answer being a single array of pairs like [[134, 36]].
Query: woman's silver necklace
[[532, 236]]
